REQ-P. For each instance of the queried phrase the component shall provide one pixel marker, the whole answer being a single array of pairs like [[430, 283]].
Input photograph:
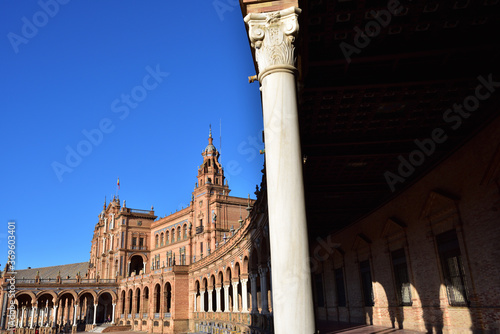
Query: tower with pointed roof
[[211, 173]]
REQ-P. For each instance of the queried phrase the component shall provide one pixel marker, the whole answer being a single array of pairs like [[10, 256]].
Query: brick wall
[[461, 195]]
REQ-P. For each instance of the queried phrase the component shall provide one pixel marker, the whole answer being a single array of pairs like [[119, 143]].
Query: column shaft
[[253, 284], [244, 295], [95, 314], [217, 297], [226, 298], [202, 300], [272, 34], [55, 316], [113, 315], [263, 290], [235, 297], [194, 305], [210, 308]]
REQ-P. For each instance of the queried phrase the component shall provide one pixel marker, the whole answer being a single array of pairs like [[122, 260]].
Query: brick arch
[[205, 283], [228, 273], [29, 293], [46, 292], [264, 251], [220, 277], [62, 293], [254, 259], [114, 297], [245, 266], [212, 281], [91, 292], [144, 257], [237, 269]]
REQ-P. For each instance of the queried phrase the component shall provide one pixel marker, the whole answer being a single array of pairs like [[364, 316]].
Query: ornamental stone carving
[[272, 35]]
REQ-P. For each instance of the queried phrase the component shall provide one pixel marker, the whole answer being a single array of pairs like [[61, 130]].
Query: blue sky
[[93, 90]]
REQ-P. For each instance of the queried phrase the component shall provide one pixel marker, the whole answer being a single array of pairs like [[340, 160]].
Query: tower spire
[[210, 139]]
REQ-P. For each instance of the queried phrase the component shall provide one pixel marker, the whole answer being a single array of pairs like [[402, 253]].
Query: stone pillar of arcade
[[272, 35]]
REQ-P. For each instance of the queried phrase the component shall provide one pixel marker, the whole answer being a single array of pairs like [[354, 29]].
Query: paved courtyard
[[360, 329], [334, 329]]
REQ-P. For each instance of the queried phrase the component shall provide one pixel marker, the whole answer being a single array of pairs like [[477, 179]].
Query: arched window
[[172, 233], [161, 239], [178, 233], [167, 237], [184, 231], [156, 240]]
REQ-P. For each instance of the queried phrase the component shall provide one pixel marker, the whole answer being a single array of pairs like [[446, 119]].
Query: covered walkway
[[342, 328]]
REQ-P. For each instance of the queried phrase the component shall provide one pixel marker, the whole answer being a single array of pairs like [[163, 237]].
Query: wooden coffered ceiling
[[358, 116]]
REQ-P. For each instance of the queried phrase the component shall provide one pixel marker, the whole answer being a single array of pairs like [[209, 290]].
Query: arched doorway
[[87, 309], [24, 307], [104, 308], [136, 265], [66, 305], [168, 297], [157, 297], [46, 310]]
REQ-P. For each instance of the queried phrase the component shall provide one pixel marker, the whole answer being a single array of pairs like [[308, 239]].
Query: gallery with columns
[[379, 202]]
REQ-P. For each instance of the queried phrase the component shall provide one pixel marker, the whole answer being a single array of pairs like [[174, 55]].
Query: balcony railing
[[167, 315], [199, 229], [25, 280], [89, 280], [157, 315], [107, 280], [140, 211]]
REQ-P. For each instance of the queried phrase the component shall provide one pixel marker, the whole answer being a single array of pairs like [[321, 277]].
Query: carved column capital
[[263, 271], [272, 35], [253, 276]]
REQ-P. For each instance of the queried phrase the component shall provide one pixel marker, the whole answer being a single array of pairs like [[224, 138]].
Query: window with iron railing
[[340, 287], [453, 268], [402, 280], [366, 282]]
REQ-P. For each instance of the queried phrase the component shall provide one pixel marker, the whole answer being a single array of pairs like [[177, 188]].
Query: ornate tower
[[211, 173], [210, 215]]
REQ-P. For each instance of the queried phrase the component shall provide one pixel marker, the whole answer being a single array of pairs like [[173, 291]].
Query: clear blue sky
[[67, 70]]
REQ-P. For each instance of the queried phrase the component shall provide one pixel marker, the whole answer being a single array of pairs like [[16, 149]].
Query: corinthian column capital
[[272, 35]]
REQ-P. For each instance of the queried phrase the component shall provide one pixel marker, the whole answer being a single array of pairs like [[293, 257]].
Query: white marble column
[[235, 297], [217, 297], [270, 283], [33, 311], [272, 35], [253, 285], [263, 290], [202, 300], [210, 308], [95, 314], [113, 314], [74, 314], [54, 322], [244, 295], [226, 298], [194, 300], [22, 316]]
